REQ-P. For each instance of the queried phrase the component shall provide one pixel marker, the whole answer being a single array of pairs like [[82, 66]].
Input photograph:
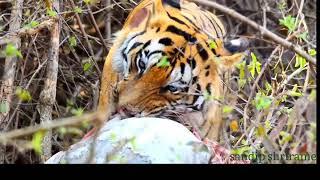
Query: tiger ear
[[137, 18], [140, 15]]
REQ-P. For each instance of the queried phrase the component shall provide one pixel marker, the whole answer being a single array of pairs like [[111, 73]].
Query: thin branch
[[48, 94], [108, 20], [85, 37], [10, 70], [264, 32], [97, 28], [49, 125], [47, 24]]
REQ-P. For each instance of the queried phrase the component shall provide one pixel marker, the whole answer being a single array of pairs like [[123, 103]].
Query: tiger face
[[169, 54]]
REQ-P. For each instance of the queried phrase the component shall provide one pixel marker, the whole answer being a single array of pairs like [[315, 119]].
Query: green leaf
[[87, 66], [301, 62], [72, 41], [164, 62], [70, 130], [242, 81], [51, 13], [227, 109], [23, 94], [303, 36], [268, 86], [12, 51], [62, 130], [87, 1], [37, 141], [212, 44], [294, 92], [77, 111], [262, 101], [77, 10], [261, 131], [312, 52], [282, 5], [32, 24], [286, 137], [241, 150], [289, 22], [267, 124], [4, 106], [254, 66]]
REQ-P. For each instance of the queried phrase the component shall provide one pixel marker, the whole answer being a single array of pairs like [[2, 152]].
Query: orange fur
[[148, 93]]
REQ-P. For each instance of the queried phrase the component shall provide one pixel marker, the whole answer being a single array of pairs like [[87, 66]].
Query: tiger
[[169, 53]]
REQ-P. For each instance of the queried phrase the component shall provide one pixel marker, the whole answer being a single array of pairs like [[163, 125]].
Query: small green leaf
[[242, 81], [241, 150], [23, 94], [37, 141], [294, 92], [51, 13], [72, 41], [267, 124], [286, 137], [87, 1], [77, 112], [254, 66], [303, 36], [262, 101], [87, 66], [301, 62], [12, 51], [4, 106], [261, 131], [282, 5], [289, 22], [227, 109], [77, 10], [62, 131], [74, 130], [268, 86], [32, 24], [164, 62], [212, 44], [312, 52]]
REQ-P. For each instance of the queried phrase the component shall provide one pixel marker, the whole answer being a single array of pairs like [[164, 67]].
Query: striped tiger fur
[[169, 54]]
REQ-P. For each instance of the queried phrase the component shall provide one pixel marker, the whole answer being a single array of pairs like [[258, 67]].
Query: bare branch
[[48, 125], [264, 32], [6, 89], [47, 24], [48, 94], [86, 37]]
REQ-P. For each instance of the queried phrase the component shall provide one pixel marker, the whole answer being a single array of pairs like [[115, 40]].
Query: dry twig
[[264, 32]]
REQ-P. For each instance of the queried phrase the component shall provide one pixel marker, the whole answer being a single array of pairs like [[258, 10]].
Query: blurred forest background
[[70, 39]]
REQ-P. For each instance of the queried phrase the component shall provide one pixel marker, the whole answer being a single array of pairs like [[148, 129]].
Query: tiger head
[[169, 53]]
